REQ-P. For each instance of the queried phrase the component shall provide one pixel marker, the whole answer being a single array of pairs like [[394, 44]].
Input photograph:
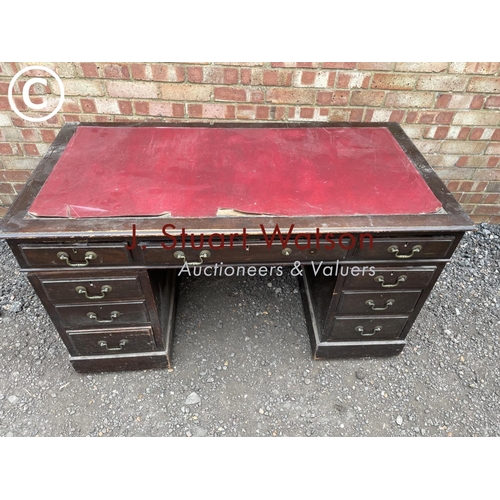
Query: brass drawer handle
[[88, 257], [204, 254], [380, 279], [395, 250], [103, 343], [361, 330], [388, 303], [104, 290], [112, 316]]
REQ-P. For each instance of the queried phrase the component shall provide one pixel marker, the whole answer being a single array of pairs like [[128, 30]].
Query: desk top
[[209, 172], [95, 181]]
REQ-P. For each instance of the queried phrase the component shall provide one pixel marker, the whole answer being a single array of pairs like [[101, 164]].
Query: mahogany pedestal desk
[[113, 211]]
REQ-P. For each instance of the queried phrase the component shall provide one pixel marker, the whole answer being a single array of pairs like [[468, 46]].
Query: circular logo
[[26, 94]]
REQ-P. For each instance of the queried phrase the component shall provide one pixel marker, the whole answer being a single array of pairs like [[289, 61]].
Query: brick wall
[[450, 110]]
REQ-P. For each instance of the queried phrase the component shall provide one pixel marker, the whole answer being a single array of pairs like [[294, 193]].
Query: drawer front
[[103, 315], [366, 328], [111, 341], [375, 303], [406, 249], [91, 289], [389, 278], [254, 252], [76, 257]]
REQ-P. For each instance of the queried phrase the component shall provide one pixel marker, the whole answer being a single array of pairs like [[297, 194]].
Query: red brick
[[441, 132], [487, 210], [177, 110], [48, 135], [444, 117], [195, 74], [167, 73], [277, 78], [308, 78], [453, 185], [88, 105], [279, 112], [125, 107], [30, 135], [139, 90], [231, 76], [31, 149], [213, 75], [422, 67], [6, 188], [479, 186], [71, 106], [246, 76], [141, 108], [307, 113], [159, 108], [492, 199], [411, 117], [485, 68], [493, 101], [443, 101], [4, 103], [220, 111], [476, 134], [493, 148], [464, 133], [466, 186], [291, 96], [496, 135], [477, 102], [186, 92], [473, 198], [367, 98], [484, 84], [397, 116], [462, 161], [262, 113], [116, 70], [393, 81], [5, 149], [89, 70], [494, 220], [336, 98], [139, 71], [493, 161], [15, 175], [356, 115], [245, 112], [339, 65], [229, 94]]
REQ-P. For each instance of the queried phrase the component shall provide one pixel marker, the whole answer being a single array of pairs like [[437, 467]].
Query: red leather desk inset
[[112, 297], [196, 172]]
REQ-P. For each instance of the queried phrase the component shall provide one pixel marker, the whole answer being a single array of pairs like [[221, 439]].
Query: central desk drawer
[[254, 252], [112, 341], [405, 249], [374, 303], [103, 315], [92, 289], [76, 256]]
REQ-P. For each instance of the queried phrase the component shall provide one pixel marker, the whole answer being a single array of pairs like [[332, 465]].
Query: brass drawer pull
[[104, 290], [112, 316], [388, 303], [395, 250], [361, 330], [380, 279], [88, 257], [204, 254], [103, 343]]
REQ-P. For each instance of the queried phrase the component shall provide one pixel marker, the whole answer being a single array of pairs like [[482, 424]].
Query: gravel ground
[[243, 365]]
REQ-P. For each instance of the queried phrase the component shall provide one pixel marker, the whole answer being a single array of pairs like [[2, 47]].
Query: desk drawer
[[376, 303], [103, 315], [254, 253], [76, 257], [406, 249], [112, 341], [366, 328], [385, 278], [92, 289]]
